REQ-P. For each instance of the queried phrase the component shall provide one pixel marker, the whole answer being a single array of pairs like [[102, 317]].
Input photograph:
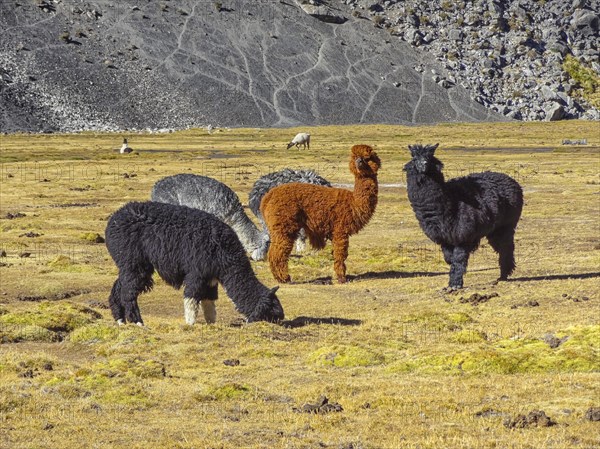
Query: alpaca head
[[423, 160], [364, 161], [267, 309]]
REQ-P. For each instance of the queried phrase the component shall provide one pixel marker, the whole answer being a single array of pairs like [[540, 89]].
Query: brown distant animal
[[325, 213]]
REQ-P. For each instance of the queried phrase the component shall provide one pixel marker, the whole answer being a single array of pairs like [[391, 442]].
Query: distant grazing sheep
[[300, 139], [186, 247], [286, 176], [325, 213], [212, 196], [458, 213]]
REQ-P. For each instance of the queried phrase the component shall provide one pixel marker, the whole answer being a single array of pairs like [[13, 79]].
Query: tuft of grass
[[93, 237], [468, 336], [230, 390], [345, 356], [95, 333]]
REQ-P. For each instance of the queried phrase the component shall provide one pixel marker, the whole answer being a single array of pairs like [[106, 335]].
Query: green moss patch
[[95, 333], [93, 237], [48, 322], [580, 353], [345, 356], [230, 390]]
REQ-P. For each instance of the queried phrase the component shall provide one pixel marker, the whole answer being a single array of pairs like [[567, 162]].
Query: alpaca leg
[[460, 259], [190, 310], [114, 301], [279, 253], [503, 242], [130, 290], [301, 241], [198, 292], [447, 251], [210, 311], [340, 254], [208, 303]]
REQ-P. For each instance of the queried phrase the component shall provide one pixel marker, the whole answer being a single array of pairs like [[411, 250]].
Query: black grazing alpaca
[[457, 214], [186, 247]]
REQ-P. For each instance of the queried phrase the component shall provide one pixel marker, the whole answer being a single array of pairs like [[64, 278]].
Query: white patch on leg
[[190, 310], [140, 324], [210, 311], [120, 322]]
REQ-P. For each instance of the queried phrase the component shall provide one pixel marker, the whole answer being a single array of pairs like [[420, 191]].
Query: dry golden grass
[[412, 367]]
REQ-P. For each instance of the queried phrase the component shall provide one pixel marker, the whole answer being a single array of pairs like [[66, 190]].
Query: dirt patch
[[575, 298], [10, 216], [593, 414], [81, 189], [231, 362], [31, 234], [535, 418], [97, 304], [56, 297], [322, 406], [477, 298]]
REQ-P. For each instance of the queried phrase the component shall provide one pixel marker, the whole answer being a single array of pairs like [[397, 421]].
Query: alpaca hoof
[[140, 324], [120, 322], [342, 280], [451, 289]]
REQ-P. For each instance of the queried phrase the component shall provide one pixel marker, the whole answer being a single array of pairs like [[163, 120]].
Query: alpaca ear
[[434, 147], [274, 290]]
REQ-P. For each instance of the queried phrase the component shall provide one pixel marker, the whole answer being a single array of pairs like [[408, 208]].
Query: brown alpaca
[[325, 213]]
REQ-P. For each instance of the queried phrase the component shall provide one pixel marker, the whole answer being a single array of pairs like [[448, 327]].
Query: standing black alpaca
[[186, 247], [457, 214]]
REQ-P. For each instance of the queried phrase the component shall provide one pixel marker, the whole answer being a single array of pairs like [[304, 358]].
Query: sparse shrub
[[586, 78], [218, 6], [355, 13], [379, 20]]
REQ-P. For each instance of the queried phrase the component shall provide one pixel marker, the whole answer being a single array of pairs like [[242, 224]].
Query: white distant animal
[[300, 139], [125, 148]]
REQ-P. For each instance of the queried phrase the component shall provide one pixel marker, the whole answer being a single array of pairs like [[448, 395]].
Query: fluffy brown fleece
[[325, 213]]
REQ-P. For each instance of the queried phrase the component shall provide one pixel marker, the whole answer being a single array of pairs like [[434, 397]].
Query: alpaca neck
[[364, 200], [429, 200], [248, 233], [242, 286]]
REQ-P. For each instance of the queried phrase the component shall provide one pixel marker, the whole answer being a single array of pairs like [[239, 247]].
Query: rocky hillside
[[103, 64], [526, 59], [129, 64]]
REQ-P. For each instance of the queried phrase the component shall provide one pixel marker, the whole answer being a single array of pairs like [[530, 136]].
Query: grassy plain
[[412, 367]]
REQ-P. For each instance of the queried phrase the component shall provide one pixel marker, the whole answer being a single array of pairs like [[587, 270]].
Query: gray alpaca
[[214, 197], [271, 180]]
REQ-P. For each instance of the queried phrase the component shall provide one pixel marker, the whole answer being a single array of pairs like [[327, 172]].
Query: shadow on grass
[[302, 321], [555, 277], [390, 274]]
